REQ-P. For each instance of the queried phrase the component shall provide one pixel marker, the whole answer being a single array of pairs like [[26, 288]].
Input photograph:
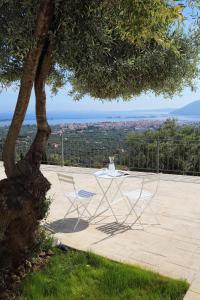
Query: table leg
[[106, 198]]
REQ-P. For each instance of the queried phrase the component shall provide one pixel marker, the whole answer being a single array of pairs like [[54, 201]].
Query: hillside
[[190, 109]]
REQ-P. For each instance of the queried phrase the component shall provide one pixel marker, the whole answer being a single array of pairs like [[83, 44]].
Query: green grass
[[85, 276]]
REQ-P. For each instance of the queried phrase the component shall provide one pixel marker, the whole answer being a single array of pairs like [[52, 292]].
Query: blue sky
[[64, 103]]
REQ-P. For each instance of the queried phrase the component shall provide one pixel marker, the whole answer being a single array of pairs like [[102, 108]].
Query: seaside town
[[28, 131], [138, 125]]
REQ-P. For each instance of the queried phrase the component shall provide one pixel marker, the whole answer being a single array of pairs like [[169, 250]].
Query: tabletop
[[105, 173]]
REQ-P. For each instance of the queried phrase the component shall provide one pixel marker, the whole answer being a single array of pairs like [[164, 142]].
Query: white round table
[[112, 176]]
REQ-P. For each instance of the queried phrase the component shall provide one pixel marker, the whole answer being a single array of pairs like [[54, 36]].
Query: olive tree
[[108, 49]]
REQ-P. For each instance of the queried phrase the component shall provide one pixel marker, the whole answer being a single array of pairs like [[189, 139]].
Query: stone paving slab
[[192, 296], [171, 248]]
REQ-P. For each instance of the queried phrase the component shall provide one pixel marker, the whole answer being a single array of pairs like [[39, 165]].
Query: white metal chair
[[140, 199], [79, 199]]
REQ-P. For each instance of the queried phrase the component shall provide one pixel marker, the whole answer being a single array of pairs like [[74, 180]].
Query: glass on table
[[111, 167]]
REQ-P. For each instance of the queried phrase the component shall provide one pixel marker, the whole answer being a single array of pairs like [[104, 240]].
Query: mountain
[[190, 109]]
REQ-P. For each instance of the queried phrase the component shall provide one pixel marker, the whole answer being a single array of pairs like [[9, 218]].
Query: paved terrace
[[171, 248]]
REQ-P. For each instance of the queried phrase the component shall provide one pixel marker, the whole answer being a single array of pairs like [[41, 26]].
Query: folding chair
[[79, 199], [140, 199]]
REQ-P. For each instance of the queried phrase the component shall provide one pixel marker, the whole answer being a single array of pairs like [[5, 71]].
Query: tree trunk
[[29, 72], [34, 155], [23, 193]]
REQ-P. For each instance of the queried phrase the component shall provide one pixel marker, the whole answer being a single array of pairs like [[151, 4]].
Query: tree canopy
[[107, 49]]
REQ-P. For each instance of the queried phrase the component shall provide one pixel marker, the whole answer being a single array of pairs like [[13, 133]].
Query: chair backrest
[[65, 178], [149, 183]]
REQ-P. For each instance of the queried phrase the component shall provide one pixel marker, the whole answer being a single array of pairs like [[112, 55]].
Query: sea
[[97, 117]]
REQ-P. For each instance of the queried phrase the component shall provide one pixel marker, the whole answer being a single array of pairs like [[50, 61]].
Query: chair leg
[[138, 218], [78, 218], [69, 210], [86, 209], [80, 214], [139, 221], [132, 210], [76, 223]]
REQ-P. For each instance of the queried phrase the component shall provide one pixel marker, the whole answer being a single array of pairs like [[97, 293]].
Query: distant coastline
[[100, 117]]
